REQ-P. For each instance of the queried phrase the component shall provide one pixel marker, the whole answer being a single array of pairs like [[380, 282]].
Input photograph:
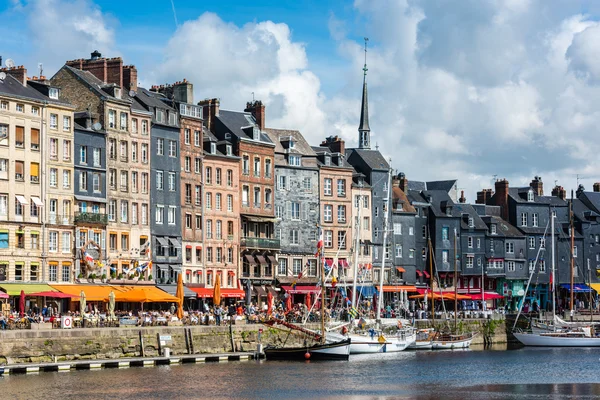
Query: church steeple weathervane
[[364, 132]]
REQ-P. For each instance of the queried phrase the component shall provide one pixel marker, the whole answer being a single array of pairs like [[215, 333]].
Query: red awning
[[329, 261], [400, 269], [302, 289], [343, 263], [388, 289], [188, 272], [488, 296], [419, 272], [231, 273], [198, 272], [203, 293], [426, 274], [209, 272], [232, 293], [188, 246]]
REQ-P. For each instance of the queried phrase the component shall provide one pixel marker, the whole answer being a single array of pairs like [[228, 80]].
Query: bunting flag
[[142, 267], [113, 269], [88, 258], [319, 243], [125, 270], [551, 282], [327, 265], [353, 312]]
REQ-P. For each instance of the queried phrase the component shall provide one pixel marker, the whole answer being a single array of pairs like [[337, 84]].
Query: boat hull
[[536, 340], [421, 345], [364, 344], [451, 344], [328, 351]]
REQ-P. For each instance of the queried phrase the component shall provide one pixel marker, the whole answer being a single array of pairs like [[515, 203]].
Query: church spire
[[364, 132]]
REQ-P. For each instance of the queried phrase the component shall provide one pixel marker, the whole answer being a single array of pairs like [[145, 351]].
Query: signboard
[[66, 322], [165, 338]]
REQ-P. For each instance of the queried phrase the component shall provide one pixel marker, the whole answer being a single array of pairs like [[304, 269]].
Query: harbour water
[[472, 374]]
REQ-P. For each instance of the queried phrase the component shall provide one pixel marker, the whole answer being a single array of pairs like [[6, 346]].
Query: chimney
[[403, 184], [462, 197], [483, 196], [184, 92], [19, 73], [130, 77], [210, 110], [257, 109], [108, 70], [559, 192], [537, 185], [597, 187], [335, 144], [114, 71], [95, 55], [502, 197]]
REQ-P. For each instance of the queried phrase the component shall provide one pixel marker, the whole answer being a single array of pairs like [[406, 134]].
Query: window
[[53, 241], [245, 196], [542, 268], [229, 178], [470, 242], [171, 181], [209, 229], [523, 219], [172, 213], [295, 161], [123, 120], [257, 197], [144, 127], [534, 219], [34, 174], [471, 222], [66, 242], [124, 242], [341, 213], [530, 196], [218, 201], [35, 139], [218, 176], [187, 164], [134, 125], [341, 187], [342, 239], [53, 121], [3, 134], [66, 124], [19, 266], [188, 222], [543, 243], [112, 210], [229, 203], [532, 243], [53, 272], [469, 262], [411, 253], [208, 200], [267, 168], [83, 181], [160, 146], [172, 148], [398, 251], [294, 210], [66, 150], [445, 256], [198, 222], [327, 187], [493, 229], [3, 168], [159, 214], [159, 180], [575, 252], [208, 177], [4, 105], [256, 166], [510, 248], [112, 116], [67, 181], [66, 271], [328, 213], [197, 200], [144, 216], [144, 153], [134, 213], [196, 138], [124, 210], [282, 182], [328, 239], [83, 155], [134, 181], [411, 230], [445, 233]]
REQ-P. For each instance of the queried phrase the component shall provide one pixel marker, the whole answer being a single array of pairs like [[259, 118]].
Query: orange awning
[[388, 289], [400, 269], [145, 294], [92, 292]]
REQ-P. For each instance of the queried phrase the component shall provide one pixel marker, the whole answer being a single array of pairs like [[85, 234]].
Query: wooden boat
[[424, 340], [339, 350], [447, 341]]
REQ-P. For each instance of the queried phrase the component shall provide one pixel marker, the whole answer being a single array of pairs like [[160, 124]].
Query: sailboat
[[375, 340], [569, 337], [324, 347]]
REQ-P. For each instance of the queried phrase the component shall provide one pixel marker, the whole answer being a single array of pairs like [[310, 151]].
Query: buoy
[[307, 355], [344, 330]]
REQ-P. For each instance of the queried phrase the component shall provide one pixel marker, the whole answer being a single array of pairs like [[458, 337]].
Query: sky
[[474, 90]]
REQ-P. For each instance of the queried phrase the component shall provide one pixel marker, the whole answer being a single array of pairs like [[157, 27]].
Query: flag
[[319, 243], [353, 312], [88, 257], [142, 267], [552, 282]]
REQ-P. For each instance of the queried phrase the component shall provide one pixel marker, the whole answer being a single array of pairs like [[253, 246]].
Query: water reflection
[[518, 374]]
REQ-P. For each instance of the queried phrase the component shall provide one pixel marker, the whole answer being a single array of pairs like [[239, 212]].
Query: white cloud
[[584, 52]]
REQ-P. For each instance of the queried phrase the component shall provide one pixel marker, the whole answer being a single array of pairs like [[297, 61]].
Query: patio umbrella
[[217, 291], [269, 303], [288, 303], [3, 295], [82, 303], [111, 305], [22, 304], [248, 293], [179, 295]]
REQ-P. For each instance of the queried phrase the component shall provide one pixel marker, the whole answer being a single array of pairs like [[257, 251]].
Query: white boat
[[579, 338], [452, 341], [424, 339], [380, 343]]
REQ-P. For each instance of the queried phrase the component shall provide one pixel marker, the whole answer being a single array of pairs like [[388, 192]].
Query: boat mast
[[319, 261], [432, 279], [357, 246], [552, 216], [455, 285], [386, 207], [572, 248]]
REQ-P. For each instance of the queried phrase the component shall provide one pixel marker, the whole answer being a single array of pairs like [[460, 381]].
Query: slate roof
[[463, 208], [12, 87], [301, 146], [591, 199], [520, 196], [440, 185], [152, 99], [322, 149], [503, 228], [94, 83], [398, 196], [234, 121], [417, 186], [416, 196], [372, 158], [437, 198]]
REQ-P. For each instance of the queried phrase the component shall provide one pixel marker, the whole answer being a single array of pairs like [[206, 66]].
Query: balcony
[[91, 218], [260, 243]]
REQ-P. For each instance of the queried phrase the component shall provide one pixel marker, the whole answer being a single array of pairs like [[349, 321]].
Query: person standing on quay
[[218, 312]]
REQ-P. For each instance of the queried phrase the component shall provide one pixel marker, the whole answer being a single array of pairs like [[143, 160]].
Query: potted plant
[[121, 275], [103, 278], [150, 277], [113, 275]]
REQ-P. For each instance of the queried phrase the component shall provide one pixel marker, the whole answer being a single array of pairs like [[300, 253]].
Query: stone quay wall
[[38, 346]]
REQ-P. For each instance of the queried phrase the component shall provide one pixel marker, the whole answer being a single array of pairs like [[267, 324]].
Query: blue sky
[[466, 89]]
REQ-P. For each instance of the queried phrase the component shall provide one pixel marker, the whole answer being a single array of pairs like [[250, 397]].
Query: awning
[[389, 288], [175, 243], [233, 293], [22, 200], [175, 267], [488, 296], [92, 292], [596, 287], [343, 263], [260, 292], [90, 199], [37, 201], [577, 287], [272, 290], [231, 273], [419, 272], [14, 289], [52, 294], [162, 267], [273, 260], [254, 218], [163, 242], [261, 260], [329, 262], [426, 274], [251, 260], [400, 269], [145, 294], [302, 289], [366, 291], [203, 293], [172, 290]]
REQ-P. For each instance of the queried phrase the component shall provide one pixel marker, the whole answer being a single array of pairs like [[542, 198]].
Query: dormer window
[[172, 118], [118, 93], [159, 115], [53, 93], [256, 133], [530, 196], [295, 161], [327, 160], [448, 211], [471, 222], [213, 148], [292, 144], [493, 229], [228, 149]]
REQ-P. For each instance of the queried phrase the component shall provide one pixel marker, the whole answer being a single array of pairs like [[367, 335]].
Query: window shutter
[[19, 167], [103, 244], [20, 134], [288, 212], [35, 136], [303, 213]]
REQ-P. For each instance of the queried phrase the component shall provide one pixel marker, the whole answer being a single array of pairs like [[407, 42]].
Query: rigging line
[[437, 276]]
